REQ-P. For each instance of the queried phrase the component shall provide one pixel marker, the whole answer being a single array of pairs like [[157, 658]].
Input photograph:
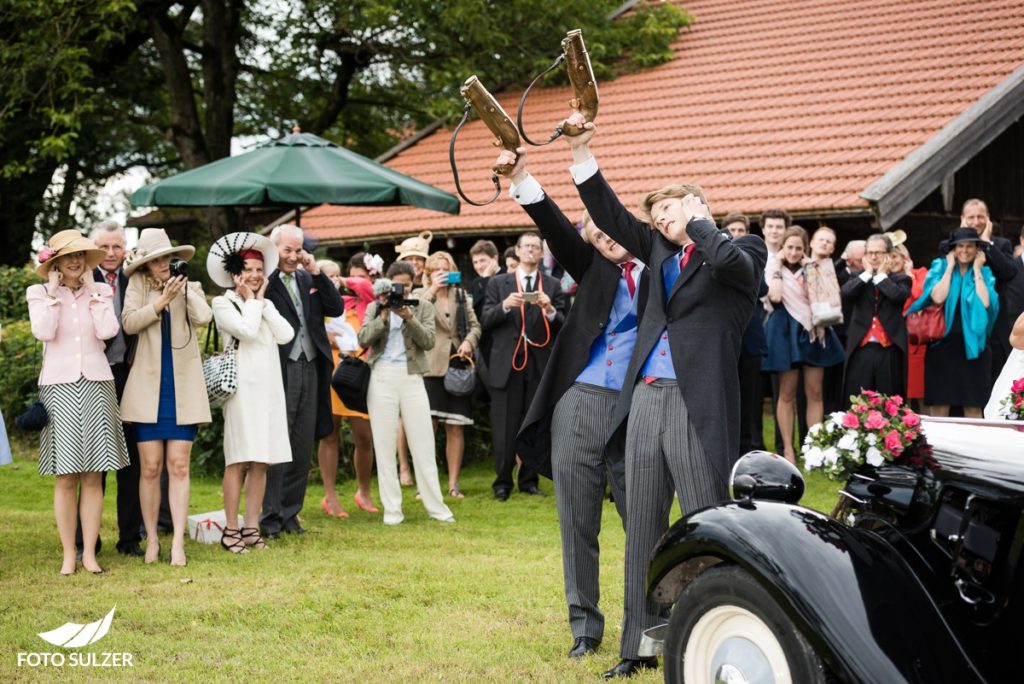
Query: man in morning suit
[[680, 392], [1009, 274], [109, 236], [304, 297], [565, 431], [523, 311], [876, 332]]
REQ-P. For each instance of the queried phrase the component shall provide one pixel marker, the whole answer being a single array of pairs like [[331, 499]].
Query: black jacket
[[598, 281], [860, 296], [122, 286], [504, 328], [320, 299], [708, 308]]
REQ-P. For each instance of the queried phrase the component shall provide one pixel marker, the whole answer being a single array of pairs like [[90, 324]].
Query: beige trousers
[[393, 393]]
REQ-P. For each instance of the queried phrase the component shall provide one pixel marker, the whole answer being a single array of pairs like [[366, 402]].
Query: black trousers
[[750, 402], [129, 512], [878, 368], [508, 408]]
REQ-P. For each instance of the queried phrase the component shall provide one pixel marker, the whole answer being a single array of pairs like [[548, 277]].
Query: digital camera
[[396, 297], [454, 278], [179, 268]]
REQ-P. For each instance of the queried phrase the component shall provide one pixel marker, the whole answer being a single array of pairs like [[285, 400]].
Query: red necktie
[[685, 258], [627, 273], [112, 281]]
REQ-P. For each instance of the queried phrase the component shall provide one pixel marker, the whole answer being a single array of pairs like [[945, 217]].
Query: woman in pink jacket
[[72, 314]]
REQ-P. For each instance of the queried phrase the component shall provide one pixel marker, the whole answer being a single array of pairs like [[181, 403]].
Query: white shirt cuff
[[584, 170], [551, 316], [879, 277], [865, 276], [527, 192]]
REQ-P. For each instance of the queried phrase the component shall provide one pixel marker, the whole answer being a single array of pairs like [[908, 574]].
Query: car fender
[[849, 591]]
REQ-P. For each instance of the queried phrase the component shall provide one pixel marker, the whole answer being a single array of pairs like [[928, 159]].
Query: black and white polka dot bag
[[220, 371]]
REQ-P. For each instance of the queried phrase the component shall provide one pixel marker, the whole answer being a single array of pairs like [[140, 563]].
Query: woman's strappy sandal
[[251, 538], [236, 545]]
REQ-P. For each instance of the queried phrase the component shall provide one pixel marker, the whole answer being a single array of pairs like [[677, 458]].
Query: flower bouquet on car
[[875, 430], [1011, 407]]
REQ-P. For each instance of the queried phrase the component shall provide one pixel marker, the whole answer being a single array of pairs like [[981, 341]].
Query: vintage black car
[[916, 576]]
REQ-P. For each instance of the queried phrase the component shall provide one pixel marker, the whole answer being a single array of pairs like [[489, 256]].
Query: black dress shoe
[[271, 535], [501, 494], [130, 549], [628, 667], [297, 529], [532, 491], [583, 646]]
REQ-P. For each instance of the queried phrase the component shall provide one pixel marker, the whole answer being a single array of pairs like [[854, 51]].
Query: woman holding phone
[[457, 334]]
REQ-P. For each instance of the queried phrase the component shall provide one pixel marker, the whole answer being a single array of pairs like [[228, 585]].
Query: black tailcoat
[[706, 313], [320, 299], [598, 281]]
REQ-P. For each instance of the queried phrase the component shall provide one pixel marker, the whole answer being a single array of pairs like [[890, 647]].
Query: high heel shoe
[[340, 514], [252, 538], [365, 505], [237, 545]]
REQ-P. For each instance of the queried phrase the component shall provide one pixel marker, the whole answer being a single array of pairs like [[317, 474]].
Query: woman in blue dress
[[165, 395], [793, 341]]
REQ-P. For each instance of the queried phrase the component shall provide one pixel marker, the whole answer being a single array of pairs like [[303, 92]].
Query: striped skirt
[[84, 434]]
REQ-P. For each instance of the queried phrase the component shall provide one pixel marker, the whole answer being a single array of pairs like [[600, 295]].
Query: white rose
[[872, 439], [874, 456], [848, 442], [813, 458], [831, 456], [815, 429]]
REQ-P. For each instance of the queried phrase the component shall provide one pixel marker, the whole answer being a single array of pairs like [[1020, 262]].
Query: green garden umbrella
[[298, 170]]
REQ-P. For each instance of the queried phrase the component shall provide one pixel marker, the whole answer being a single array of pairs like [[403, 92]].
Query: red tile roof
[[794, 103]]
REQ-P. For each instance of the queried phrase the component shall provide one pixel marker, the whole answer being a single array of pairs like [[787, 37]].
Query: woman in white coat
[[255, 417]]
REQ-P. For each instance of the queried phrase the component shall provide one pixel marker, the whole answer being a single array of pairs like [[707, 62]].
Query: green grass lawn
[[351, 601]]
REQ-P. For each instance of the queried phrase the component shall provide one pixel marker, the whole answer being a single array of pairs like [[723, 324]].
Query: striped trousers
[[579, 428], [663, 455]]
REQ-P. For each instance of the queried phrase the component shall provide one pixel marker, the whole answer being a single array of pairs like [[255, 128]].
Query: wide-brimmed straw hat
[[418, 245], [68, 242], [227, 256], [153, 244]]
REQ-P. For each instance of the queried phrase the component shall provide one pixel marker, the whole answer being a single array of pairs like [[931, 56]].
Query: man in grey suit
[[304, 297], [681, 391]]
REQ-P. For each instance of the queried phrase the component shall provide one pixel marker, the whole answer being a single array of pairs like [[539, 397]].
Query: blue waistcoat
[[611, 351]]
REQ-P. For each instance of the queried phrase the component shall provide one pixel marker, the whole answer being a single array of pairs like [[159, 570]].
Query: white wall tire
[[726, 627]]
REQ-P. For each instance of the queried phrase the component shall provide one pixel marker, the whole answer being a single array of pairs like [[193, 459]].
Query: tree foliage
[[98, 86]]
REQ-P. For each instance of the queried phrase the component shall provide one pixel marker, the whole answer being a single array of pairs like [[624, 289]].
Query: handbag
[[351, 381], [927, 325], [34, 419], [220, 371], [823, 293], [460, 380]]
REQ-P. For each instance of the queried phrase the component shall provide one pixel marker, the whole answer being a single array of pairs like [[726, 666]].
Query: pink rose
[[910, 419], [893, 442], [869, 393], [892, 408], [1017, 386], [911, 435], [875, 400], [896, 399], [875, 421], [45, 254], [860, 408], [850, 420]]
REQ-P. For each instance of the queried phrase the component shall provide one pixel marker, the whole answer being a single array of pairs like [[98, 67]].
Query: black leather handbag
[[34, 419], [350, 381]]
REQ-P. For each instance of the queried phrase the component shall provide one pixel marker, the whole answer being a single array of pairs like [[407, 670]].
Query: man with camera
[[304, 296], [523, 311]]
